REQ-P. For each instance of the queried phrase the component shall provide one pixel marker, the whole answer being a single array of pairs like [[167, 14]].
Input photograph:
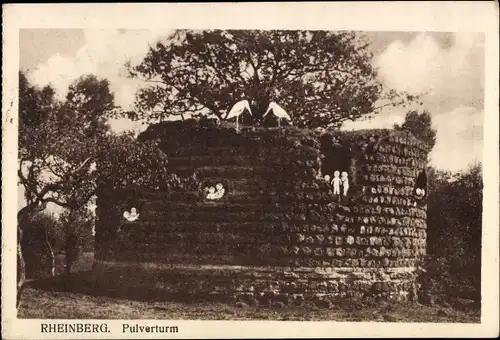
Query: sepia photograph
[[248, 173]]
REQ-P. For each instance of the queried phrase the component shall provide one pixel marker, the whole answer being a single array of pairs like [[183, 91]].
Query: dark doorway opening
[[420, 189], [337, 157]]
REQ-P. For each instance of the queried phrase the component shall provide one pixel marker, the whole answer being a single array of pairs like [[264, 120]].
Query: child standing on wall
[[345, 183], [336, 183]]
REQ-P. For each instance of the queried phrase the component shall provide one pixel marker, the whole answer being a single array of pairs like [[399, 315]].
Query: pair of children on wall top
[[339, 180]]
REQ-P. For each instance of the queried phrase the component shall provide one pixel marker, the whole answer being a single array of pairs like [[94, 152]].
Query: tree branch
[[88, 159], [382, 106], [31, 187], [88, 197], [255, 68], [61, 176], [152, 81], [48, 188], [57, 202], [217, 69], [275, 70]]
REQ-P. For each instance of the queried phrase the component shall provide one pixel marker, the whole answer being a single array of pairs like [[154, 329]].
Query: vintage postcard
[[262, 170]]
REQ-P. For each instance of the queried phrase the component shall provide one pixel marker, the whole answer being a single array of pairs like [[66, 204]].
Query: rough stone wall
[[278, 232]]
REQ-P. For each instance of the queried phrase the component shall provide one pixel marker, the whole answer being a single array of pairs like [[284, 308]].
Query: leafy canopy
[[320, 78], [420, 125], [60, 141]]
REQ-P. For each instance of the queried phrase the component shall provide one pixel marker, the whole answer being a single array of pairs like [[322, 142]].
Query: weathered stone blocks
[[278, 211]]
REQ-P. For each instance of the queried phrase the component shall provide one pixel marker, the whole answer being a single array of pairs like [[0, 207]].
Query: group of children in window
[[339, 181]]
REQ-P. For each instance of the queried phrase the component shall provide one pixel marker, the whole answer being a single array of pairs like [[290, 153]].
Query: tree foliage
[[320, 78], [35, 105], [91, 100], [60, 141], [75, 234], [420, 125], [46, 236], [40, 243], [454, 230], [130, 162], [63, 143]]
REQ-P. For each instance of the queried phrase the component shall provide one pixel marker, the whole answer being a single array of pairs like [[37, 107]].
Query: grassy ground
[[43, 304], [47, 302]]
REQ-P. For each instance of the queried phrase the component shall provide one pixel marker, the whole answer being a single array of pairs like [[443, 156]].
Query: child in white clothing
[[336, 183], [345, 182]]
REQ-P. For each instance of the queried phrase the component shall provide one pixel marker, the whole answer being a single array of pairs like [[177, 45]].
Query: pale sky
[[449, 67]]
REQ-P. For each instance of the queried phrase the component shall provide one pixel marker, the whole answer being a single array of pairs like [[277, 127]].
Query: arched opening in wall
[[420, 188], [338, 165], [214, 189], [336, 156], [129, 205]]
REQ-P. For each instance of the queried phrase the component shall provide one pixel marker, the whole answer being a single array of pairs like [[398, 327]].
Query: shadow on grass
[[123, 285], [85, 282]]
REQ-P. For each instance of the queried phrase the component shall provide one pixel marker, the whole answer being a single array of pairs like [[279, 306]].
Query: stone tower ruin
[[257, 219]]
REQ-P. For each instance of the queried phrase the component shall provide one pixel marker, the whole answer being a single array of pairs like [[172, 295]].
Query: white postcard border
[[359, 16]]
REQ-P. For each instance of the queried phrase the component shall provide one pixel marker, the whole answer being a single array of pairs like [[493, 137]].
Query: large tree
[[61, 148], [321, 78], [36, 106], [59, 143]]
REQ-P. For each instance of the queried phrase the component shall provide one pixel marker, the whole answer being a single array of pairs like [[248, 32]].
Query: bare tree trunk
[[22, 216], [70, 244], [68, 262], [68, 259], [52, 255], [21, 275]]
